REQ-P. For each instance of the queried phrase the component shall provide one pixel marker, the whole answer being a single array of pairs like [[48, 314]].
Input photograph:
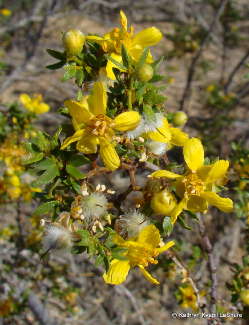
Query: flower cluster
[[96, 169]]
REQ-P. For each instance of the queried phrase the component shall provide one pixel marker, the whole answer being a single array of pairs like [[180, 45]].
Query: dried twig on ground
[[39, 311], [124, 291]]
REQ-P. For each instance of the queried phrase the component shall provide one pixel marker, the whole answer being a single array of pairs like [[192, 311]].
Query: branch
[[235, 70], [191, 71], [187, 277], [207, 246], [124, 291]]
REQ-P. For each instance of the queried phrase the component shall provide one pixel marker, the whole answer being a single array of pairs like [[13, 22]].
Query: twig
[[187, 277], [235, 70], [207, 246], [39, 311], [124, 291], [191, 71], [31, 50], [19, 221]]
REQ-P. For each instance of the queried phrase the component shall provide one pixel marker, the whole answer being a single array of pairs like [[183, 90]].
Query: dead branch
[[235, 70], [208, 248], [191, 71]]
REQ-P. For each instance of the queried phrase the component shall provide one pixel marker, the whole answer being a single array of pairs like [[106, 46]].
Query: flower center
[[193, 184], [100, 125], [140, 255]]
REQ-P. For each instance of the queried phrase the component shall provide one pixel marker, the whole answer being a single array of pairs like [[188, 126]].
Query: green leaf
[[78, 160], [85, 238], [143, 57], [41, 141], [75, 185], [183, 223], [45, 164], [73, 171], [70, 72], [48, 176], [45, 207], [56, 66], [167, 226], [125, 57], [121, 66], [31, 158], [56, 54], [79, 75]]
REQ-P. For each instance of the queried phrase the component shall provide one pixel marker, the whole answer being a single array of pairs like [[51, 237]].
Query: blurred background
[[206, 51]]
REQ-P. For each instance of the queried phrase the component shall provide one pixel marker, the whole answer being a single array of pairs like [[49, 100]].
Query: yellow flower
[[112, 43], [188, 297], [196, 187], [140, 251], [35, 104], [94, 127], [5, 12]]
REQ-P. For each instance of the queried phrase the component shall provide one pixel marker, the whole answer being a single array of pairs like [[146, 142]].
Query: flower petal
[[177, 210], [111, 65], [149, 235], [25, 99], [79, 111], [224, 204], [148, 37], [87, 144], [75, 137], [127, 121], [123, 20], [178, 137], [197, 204], [109, 155], [165, 247], [161, 134], [217, 171], [42, 108], [117, 272], [98, 99], [164, 173], [147, 275], [193, 153]]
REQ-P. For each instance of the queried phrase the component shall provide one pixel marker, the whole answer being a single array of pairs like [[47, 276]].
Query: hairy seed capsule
[[73, 41], [145, 72]]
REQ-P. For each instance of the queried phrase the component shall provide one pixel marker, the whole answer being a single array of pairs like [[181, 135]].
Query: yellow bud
[[244, 296], [73, 41], [246, 273], [14, 192], [145, 72], [14, 180], [180, 118], [163, 202]]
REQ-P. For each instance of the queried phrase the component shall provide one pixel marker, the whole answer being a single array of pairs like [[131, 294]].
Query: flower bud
[[145, 72], [163, 202], [180, 118], [73, 41], [244, 296]]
